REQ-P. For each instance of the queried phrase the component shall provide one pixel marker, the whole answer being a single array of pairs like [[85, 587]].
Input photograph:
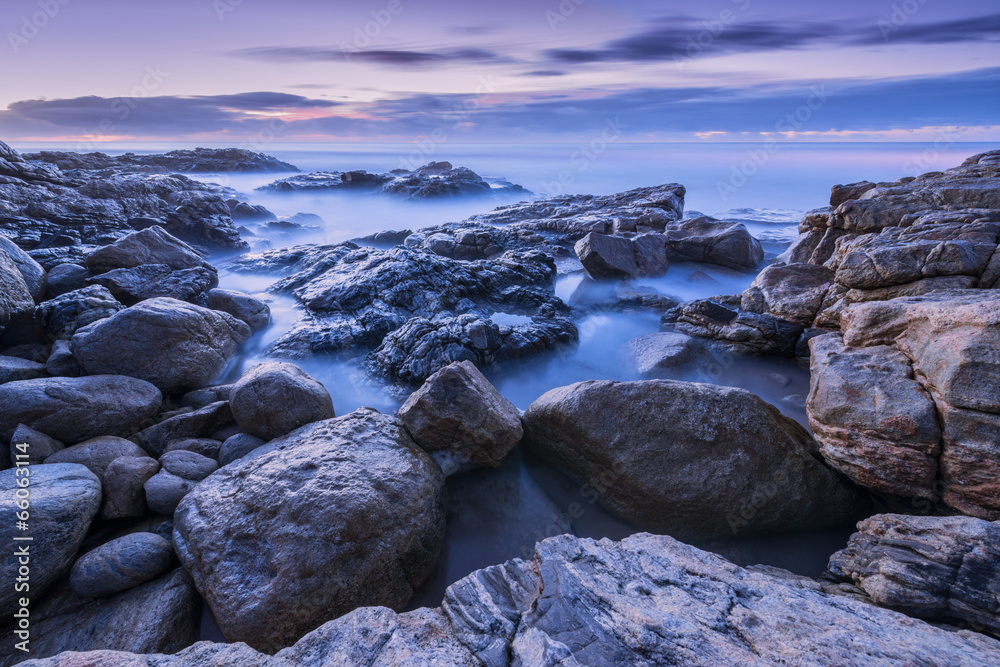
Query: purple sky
[[519, 70]]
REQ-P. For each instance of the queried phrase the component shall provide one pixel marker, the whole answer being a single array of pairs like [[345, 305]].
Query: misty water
[[499, 514]]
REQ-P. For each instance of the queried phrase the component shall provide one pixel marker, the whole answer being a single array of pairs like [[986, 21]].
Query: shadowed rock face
[[336, 515], [938, 568], [647, 600], [692, 460]]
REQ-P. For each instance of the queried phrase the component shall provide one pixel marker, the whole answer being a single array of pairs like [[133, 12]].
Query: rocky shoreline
[[156, 492]]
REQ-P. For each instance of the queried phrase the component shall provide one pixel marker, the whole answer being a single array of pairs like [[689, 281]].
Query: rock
[[97, 453], [739, 332], [63, 315], [161, 616], [63, 278], [121, 564], [461, 419], [841, 193], [198, 160], [124, 496], [188, 465], [693, 460], [274, 398], [712, 241], [375, 522], [616, 258], [16, 301], [72, 410], [191, 345], [198, 423], [13, 369], [944, 569], [662, 351], [434, 180], [37, 446], [30, 270], [61, 362], [199, 398], [150, 281], [794, 292], [421, 347], [64, 499], [203, 446], [238, 446], [164, 491], [242, 306]]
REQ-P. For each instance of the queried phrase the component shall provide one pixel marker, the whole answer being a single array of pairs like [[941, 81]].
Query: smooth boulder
[[275, 398], [124, 495], [153, 245], [695, 461], [336, 515], [97, 453], [121, 564], [170, 343], [251, 310]]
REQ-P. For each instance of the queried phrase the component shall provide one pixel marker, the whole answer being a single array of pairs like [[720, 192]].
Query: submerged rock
[[662, 351], [693, 460], [336, 515]]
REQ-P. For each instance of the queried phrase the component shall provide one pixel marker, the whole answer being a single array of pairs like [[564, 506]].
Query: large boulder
[[618, 258], [659, 352], [336, 515], [461, 419], [692, 460], [31, 271], [63, 500], [704, 239], [153, 245], [275, 398], [172, 344], [944, 569], [16, 301], [72, 410]]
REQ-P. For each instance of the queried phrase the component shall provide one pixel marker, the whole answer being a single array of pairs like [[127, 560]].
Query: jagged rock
[[31, 271], [195, 424], [199, 160], [704, 239], [124, 496], [149, 281], [421, 347], [149, 246], [662, 351], [161, 616], [273, 399], [355, 516], [64, 499], [13, 369], [740, 332], [121, 564], [943, 569], [190, 347], [242, 306], [72, 410], [63, 315], [692, 460], [434, 180], [841, 193], [617, 258], [461, 419], [794, 292]]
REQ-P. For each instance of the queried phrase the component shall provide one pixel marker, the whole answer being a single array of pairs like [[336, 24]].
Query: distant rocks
[[434, 180], [199, 160]]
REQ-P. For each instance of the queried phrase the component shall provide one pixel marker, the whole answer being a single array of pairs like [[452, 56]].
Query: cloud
[[399, 57]]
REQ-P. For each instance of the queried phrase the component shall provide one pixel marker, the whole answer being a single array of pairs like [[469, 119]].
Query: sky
[[243, 72]]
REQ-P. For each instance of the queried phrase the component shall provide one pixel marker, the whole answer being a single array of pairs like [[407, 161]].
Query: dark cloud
[[545, 72], [380, 56], [897, 28]]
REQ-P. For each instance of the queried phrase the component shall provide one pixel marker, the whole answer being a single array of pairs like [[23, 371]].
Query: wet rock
[[188, 465], [712, 241], [36, 445], [72, 410], [150, 246], [150, 281], [64, 500], [63, 278], [242, 306], [692, 460], [13, 369], [421, 347], [238, 446], [31, 271], [121, 564], [198, 423], [945, 569], [616, 258], [124, 496], [63, 315], [191, 345], [374, 502], [461, 419], [97, 453], [662, 351], [273, 399]]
